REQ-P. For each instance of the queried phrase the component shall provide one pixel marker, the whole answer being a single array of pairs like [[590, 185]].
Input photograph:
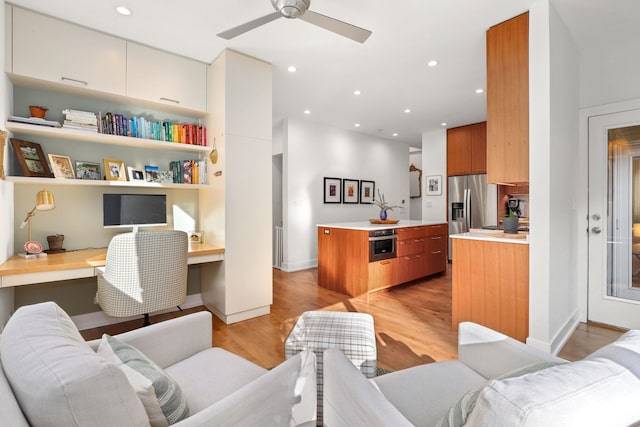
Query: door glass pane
[[623, 215]]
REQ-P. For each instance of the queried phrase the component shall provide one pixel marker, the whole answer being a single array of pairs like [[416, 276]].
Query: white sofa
[[514, 384], [50, 376]]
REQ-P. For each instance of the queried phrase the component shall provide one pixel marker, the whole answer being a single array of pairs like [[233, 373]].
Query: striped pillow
[[167, 391]]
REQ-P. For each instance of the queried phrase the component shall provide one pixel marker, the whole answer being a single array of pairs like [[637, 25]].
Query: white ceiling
[[390, 68]]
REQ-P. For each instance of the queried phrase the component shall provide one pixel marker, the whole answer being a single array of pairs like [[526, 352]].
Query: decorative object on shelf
[[31, 158], [152, 173], [510, 223], [166, 177], [196, 237], [384, 206], [61, 166], [385, 221], [37, 111], [44, 202], [350, 190], [434, 185], [3, 141], [367, 191], [88, 170], [213, 156], [332, 190], [34, 121], [415, 182], [135, 174], [55, 244], [114, 170]]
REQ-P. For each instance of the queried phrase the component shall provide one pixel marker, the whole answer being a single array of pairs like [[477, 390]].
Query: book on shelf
[[189, 171]]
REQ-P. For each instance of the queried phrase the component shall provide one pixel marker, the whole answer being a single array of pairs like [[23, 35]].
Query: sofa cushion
[[410, 390], [58, 379], [168, 392], [141, 385], [594, 392], [624, 351]]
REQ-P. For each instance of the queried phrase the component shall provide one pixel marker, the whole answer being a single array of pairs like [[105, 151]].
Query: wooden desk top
[[82, 258]]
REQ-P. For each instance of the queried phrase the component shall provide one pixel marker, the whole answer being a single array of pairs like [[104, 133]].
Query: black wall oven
[[382, 244]]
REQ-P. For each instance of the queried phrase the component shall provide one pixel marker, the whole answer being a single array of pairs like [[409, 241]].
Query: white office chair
[[144, 272]]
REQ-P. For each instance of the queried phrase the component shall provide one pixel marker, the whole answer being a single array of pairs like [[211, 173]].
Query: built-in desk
[[18, 271]]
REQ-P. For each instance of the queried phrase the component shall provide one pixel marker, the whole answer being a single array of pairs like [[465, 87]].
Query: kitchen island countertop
[[367, 226], [493, 236]]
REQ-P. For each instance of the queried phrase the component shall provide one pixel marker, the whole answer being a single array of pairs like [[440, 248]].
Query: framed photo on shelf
[[152, 173], [62, 167], [114, 170], [135, 174], [332, 190], [87, 170], [195, 237], [367, 191], [166, 177], [434, 185], [31, 158], [350, 190]]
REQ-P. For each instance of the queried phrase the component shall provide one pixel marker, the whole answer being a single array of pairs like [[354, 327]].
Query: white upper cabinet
[[161, 77], [48, 49]]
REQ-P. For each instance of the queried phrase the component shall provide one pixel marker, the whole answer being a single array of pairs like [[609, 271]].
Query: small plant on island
[[383, 205]]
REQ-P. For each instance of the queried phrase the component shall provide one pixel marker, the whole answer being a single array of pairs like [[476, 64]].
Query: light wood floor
[[412, 322]]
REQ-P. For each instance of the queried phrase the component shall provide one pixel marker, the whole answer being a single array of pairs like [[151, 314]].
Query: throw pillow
[[167, 391], [458, 413]]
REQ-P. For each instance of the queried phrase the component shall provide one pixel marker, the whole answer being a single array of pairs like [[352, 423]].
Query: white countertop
[[493, 236], [367, 226]]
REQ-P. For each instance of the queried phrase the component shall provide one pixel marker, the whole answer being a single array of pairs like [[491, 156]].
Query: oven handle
[[376, 238]]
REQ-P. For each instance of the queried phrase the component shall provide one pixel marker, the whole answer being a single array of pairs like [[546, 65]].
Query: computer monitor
[[134, 210]]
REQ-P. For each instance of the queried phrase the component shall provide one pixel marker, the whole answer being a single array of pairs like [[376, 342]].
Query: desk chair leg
[[179, 308], [146, 320]]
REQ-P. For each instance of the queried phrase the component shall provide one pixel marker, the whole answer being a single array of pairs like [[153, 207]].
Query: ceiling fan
[[293, 9]]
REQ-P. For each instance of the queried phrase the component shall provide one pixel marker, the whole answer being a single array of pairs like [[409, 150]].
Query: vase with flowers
[[381, 203]]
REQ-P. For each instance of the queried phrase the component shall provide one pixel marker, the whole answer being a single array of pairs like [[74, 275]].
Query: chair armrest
[[173, 340], [350, 399], [492, 354], [270, 400]]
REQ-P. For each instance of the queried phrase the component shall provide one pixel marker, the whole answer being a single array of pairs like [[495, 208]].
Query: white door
[[614, 219]]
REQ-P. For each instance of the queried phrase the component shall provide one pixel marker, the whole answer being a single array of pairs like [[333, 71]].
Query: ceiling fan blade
[[241, 29], [351, 31]]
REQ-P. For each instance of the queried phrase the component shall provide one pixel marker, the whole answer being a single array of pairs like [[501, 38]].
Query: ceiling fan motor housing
[[291, 8]]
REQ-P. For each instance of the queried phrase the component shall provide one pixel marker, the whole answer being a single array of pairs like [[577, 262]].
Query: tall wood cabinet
[[467, 149], [508, 101]]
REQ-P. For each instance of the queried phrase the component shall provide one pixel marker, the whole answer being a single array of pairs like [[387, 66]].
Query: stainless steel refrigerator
[[472, 204]]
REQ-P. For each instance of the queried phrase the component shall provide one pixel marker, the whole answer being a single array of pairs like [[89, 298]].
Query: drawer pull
[[68, 79], [436, 238], [436, 252], [385, 262], [175, 101]]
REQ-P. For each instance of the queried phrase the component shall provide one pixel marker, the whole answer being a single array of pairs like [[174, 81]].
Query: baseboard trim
[[239, 317], [98, 318], [560, 338], [288, 267]]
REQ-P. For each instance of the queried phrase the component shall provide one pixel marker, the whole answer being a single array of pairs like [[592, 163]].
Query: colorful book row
[[189, 171], [139, 127]]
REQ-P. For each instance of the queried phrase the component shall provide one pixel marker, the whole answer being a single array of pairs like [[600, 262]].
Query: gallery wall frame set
[[348, 191]]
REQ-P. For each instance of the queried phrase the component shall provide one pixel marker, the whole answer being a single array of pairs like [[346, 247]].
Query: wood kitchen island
[[346, 264]]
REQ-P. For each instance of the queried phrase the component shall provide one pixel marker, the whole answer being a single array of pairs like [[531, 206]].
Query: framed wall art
[[350, 191], [434, 185], [114, 170], [31, 158], [152, 173], [332, 190], [88, 170], [367, 191], [62, 167]]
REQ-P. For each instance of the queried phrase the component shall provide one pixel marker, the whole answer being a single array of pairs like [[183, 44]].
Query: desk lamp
[[44, 202]]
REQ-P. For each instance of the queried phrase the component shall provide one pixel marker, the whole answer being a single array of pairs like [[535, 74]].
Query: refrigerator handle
[[467, 208]]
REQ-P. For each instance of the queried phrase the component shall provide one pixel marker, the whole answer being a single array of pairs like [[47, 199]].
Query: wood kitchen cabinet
[[467, 149], [508, 101]]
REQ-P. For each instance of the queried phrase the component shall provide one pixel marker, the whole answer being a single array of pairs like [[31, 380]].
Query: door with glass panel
[[614, 219]]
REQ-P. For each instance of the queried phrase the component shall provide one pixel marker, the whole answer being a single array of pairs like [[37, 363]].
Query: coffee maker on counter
[[518, 207]]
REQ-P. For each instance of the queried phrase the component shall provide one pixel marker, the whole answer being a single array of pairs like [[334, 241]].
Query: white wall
[[311, 152], [415, 212], [434, 162], [553, 146]]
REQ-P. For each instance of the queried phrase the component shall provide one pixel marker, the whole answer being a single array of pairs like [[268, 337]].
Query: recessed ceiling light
[[122, 10], [291, 69], [357, 125], [432, 63], [407, 110], [395, 134], [307, 111], [480, 90], [443, 124], [356, 92]]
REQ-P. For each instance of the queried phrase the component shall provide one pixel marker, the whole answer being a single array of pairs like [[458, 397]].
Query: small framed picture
[[367, 191], [195, 237], [166, 177], [434, 185], [87, 170], [350, 190], [332, 190], [135, 174], [31, 158], [114, 170], [62, 166], [152, 173]]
